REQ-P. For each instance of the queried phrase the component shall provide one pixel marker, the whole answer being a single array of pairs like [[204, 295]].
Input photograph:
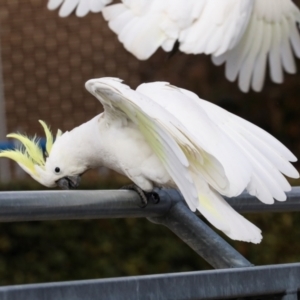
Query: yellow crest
[[30, 154]]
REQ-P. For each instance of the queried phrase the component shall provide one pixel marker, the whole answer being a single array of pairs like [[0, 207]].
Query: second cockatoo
[[244, 35], [160, 135]]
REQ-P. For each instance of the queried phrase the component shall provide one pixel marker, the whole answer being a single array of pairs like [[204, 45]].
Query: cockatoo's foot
[[145, 196]]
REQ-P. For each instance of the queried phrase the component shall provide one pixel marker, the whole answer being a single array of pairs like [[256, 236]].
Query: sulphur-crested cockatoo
[[82, 7], [161, 135]]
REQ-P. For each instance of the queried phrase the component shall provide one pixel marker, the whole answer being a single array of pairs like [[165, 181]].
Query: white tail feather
[[237, 227], [220, 214]]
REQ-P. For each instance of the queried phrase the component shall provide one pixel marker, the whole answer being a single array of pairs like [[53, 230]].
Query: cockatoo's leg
[[145, 196], [174, 50]]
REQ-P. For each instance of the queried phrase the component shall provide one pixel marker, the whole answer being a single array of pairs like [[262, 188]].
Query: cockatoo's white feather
[[218, 27], [83, 7], [246, 152], [246, 35], [137, 24], [260, 149], [161, 135], [270, 35], [156, 126]]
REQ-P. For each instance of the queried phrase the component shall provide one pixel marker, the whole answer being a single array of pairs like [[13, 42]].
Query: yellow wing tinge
[[206, 203]]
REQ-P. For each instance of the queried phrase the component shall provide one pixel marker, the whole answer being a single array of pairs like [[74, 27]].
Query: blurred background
[[45, 61]]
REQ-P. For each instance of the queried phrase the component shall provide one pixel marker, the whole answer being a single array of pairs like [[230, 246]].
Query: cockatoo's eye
[[57, 170]]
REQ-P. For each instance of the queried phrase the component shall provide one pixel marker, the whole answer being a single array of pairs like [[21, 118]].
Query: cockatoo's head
[[53, 168]]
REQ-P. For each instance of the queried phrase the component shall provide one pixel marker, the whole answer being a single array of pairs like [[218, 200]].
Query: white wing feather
[[267, 155], [83, 7], [217, 27], [209, 138], [164, 138], [137, 25], [252, 158], [219, 213], [271, 33], [144, 26]]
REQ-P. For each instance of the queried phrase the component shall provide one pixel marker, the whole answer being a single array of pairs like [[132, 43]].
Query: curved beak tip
[[69, 182]]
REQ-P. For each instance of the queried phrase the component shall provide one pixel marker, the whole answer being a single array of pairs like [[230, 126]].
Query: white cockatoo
[[82, 7], [242, 34], [160, 135]]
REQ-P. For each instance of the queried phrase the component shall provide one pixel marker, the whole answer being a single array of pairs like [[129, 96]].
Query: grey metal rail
[[79, 204], [279, 281]]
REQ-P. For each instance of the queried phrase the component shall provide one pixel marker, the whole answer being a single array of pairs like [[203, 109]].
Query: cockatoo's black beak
[[69, 182]]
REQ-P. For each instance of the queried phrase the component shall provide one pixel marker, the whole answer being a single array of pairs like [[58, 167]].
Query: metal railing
[[238, 277]]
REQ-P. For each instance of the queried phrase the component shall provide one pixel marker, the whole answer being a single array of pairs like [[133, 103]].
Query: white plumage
[[161, 135], [242, 34], [82, 7], [219, 153], [245, 35]]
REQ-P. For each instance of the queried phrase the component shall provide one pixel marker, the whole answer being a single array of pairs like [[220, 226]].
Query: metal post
[[5, 175], [200, 237]]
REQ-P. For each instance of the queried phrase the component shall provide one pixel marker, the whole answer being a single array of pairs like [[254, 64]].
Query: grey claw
[[145, 196]]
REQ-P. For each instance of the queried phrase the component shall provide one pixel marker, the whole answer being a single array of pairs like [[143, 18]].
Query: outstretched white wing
[[252, 159], [83, 7], [137, 24], [205, 134], [268, 157], [237, 144], [161, 129], [145, 25], [271, 34]]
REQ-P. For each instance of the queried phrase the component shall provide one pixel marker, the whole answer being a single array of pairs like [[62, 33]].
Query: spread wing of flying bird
[[82, 7], [144, 26], [270, 37], [245, 35]]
